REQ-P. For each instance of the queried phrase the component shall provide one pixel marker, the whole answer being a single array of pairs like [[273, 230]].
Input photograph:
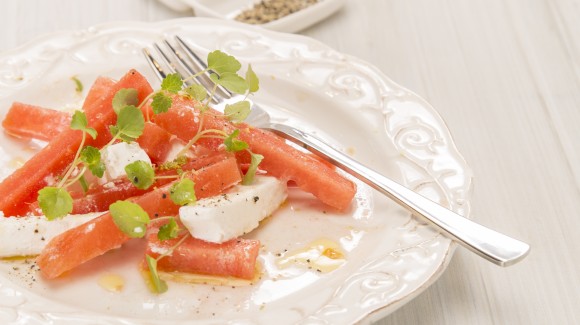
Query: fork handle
[[489, 244]]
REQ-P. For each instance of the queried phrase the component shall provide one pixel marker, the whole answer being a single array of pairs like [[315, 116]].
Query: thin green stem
[[74, 162], [195, 75], [167, 177], [164, 218], [213, 136], [170, 250], [211, 94], [76, 178], [145, 101], [219, 133], [194, 139], [115, 138]]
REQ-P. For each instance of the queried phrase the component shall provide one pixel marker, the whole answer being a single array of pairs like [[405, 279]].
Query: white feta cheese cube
[[26, 236], [117, 156], [237, 212]]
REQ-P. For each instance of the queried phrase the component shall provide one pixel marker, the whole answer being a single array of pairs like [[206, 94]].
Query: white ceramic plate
[[390, 256], [229, 9]]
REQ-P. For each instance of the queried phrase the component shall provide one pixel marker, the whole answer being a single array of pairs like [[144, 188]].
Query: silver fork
[[489, 244]]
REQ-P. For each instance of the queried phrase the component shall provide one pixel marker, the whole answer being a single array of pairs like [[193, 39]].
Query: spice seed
[[269, 10]]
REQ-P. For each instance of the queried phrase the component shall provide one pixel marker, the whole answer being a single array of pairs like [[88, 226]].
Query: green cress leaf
[[91, 156], [172, 83], [161, 103], [183, 192], [158, 285], [231, 81], [233, 144], [115, 131], [169, 230], [256, 159], [124, 97], [84, 184], [55, 202], [92, 132], [130, 218], [130, 123], [237, 112], [78, 84], [141, 174], [79, 122], [197, 92], [221, 62], [252, 80]]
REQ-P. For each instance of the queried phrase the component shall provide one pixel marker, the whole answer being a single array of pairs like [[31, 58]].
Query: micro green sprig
[[130, 124], [233, 144], [159, 285], [55, 201], [141, 174], [132, 220], [223, 69], [78, 84]]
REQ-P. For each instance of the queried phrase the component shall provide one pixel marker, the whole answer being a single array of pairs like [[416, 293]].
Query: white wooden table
[[505, 75]]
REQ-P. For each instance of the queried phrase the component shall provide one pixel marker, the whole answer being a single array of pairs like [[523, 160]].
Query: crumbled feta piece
[[25, 236], [237, 212], [117, 156]]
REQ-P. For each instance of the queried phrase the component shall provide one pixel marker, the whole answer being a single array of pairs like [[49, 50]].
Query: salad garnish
[[78, 84]]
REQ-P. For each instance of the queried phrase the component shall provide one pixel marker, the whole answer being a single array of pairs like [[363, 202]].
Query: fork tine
[[167, 65], [190, 71], [200, 64], [154, 64], [171, 67], [192, 55], [180, 58], [188, 64]]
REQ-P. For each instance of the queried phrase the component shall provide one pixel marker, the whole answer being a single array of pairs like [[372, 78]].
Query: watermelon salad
[[159, 165]]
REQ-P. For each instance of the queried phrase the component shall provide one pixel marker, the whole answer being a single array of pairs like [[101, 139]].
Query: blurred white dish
[[229, 9]]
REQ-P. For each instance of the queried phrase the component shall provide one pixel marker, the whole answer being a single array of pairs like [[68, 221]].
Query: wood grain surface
[[504, 75]]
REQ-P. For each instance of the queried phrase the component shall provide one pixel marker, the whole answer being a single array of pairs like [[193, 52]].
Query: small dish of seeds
[[279, 15]]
